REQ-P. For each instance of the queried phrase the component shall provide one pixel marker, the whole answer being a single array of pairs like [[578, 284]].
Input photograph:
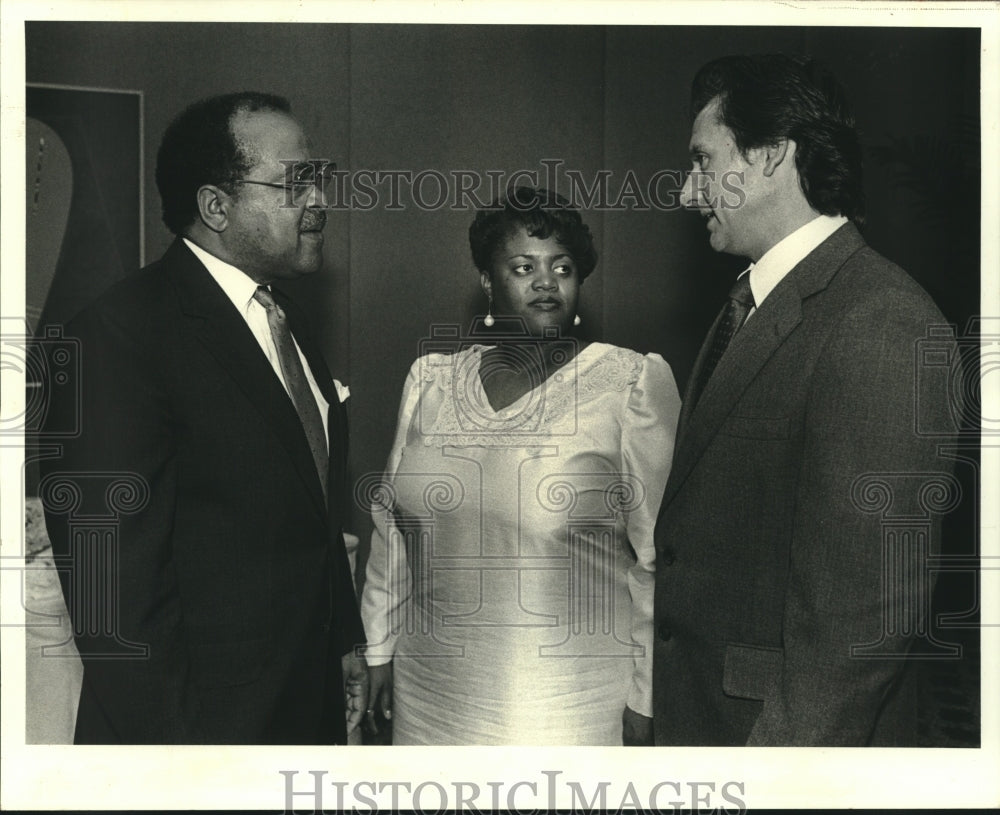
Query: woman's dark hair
[[543, 214], [773, 96], [199, 148]]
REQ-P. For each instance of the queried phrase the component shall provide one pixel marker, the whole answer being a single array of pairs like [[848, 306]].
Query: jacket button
[[663, 630], [668, 556]]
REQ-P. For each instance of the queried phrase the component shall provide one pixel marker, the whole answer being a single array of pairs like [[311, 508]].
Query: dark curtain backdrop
[[504, 98]]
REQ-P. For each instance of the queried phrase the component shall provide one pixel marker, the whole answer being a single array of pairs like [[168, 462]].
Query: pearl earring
[[577, 320], [488, 319]]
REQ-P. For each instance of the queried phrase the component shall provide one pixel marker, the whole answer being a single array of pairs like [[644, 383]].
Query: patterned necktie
[[295, 379], [734, 314]]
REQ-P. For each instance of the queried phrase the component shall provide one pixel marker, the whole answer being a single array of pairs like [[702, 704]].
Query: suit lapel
[[226, 336], [687, 405], [751, 348], [749, 351]]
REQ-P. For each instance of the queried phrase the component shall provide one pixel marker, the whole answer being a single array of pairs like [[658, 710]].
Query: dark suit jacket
[[227, 565], [769, 559]]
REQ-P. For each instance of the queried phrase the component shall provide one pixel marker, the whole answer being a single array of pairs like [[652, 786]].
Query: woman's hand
[[355, 688], [379, 693]]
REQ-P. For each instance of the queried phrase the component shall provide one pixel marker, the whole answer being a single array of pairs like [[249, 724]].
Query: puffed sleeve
[[387, 577], [648, 430]]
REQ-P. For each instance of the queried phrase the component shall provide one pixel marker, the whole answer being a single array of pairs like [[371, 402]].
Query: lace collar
[[549, 409]]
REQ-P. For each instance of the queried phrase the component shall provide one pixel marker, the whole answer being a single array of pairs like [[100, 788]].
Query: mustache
[[313, 220]]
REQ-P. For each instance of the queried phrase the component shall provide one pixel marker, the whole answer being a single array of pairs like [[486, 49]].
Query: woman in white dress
[[509, 590]]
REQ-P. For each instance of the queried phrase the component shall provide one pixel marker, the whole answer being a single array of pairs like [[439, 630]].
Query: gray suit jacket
[[771, 536]]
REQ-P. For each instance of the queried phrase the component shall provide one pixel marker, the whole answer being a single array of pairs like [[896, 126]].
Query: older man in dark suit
[[218, 605], [785, 608]]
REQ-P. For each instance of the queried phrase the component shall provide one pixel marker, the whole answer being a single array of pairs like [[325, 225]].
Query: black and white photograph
[[411, 406]]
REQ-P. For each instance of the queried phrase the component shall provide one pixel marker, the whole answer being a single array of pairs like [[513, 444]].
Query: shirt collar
[[787, 253], [236, 284]]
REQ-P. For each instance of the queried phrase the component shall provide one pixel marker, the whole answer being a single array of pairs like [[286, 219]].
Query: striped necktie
[[295, 380], [734, 314]]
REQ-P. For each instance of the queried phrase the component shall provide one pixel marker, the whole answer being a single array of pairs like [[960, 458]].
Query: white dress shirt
[[787, 253], [240, 289]]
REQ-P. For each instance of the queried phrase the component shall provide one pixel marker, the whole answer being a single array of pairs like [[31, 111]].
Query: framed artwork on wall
[[83, 188]]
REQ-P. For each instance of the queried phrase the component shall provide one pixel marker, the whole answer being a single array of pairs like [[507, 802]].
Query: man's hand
[[379, 693], [355, 688], [637, 730]]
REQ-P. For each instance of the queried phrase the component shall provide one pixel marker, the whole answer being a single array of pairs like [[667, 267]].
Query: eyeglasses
[[301, 178]]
